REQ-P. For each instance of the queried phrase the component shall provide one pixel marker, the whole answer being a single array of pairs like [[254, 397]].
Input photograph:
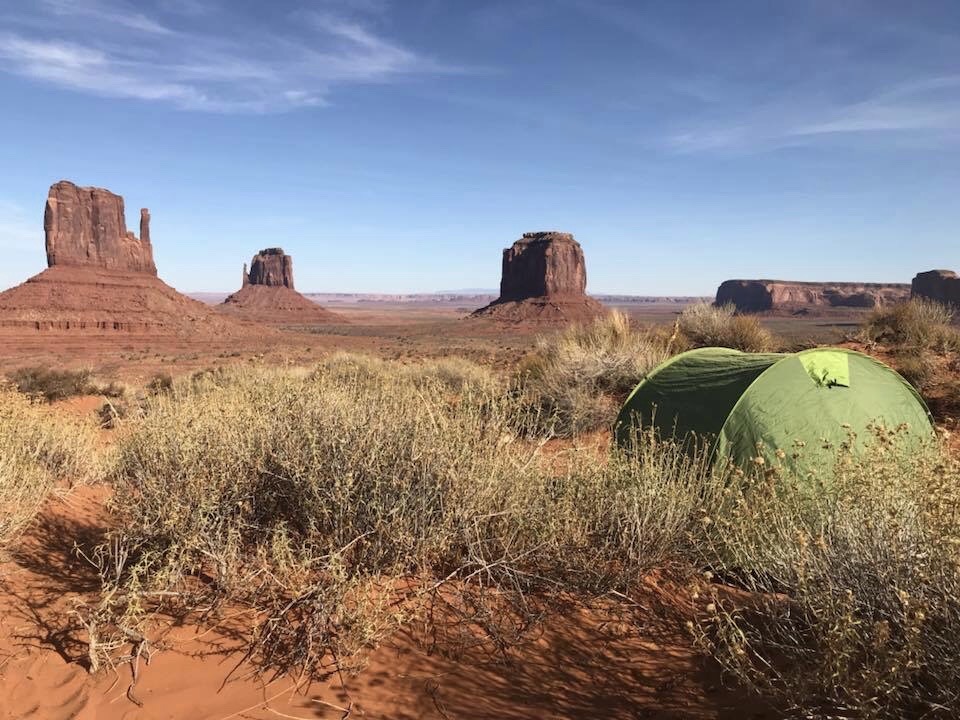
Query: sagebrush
[[337, 502], [38, 452], [576, 380]]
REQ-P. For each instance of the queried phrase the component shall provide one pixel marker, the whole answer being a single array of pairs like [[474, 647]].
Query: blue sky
[[398, 146]]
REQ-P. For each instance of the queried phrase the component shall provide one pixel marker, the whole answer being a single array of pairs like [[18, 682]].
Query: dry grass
[[706, 325], [339, 502], [917, 325], [38, 451], [575, 381], [52, 385], [343, 501], [854, 605]]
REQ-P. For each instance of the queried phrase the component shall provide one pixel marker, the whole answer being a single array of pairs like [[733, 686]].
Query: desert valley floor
[[587, 663], [390, 330]]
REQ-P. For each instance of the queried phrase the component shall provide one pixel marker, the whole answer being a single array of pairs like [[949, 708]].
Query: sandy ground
[[583, 664], [403, 331]]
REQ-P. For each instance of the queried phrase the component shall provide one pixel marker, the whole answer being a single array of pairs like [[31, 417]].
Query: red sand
[[582, 665]]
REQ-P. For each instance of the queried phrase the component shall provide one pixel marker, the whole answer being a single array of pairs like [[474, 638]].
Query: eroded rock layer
[[271, 267], [940, 285], [86, 226], [84, 298], [786, 295]]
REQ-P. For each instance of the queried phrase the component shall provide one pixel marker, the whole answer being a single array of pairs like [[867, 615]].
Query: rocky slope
[[101, 277], [268, 294]]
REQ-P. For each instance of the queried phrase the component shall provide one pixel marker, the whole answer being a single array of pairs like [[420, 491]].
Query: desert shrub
[[918, 324], [455, 374], [116, 410], [576, 380], [706, 325], [160, 383], [37, 452], [854, 604], [51, 384], [336, 504], [917, 367]]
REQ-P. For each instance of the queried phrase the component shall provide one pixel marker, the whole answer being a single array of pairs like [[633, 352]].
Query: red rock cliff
[[271, 267], [764, 295], [940, 285], [543, 264], [86, 226]]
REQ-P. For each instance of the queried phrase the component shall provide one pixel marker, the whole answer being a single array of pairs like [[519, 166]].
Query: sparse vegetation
[[706, 325], [52, 385], [854, 595], [915, 326], [342, 501], [39, 451], [338, 504], [576, 380]]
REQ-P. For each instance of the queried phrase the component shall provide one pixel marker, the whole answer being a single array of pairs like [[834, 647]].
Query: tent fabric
[[739, 402]]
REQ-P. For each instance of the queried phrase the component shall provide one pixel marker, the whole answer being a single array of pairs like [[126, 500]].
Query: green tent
[[737, 401]]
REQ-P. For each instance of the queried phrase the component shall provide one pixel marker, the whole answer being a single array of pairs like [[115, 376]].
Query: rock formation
[[102, 278], [544, 278], [267, 294], [272, 267], [791, 296], [940, 285], [87, 226]]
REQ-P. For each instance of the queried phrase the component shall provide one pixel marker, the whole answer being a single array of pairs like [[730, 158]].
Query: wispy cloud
[[204, 58], [120, 15], [810, 73], [930, 106]]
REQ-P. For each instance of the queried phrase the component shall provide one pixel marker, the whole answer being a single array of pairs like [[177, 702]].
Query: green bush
[[53, 385]]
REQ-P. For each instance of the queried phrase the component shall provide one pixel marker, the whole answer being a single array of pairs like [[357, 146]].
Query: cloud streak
[[930, 106], [225, 64]]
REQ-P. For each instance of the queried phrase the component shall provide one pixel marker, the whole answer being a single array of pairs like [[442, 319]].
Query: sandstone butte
[[793, 296], [267, 294], [544, 279], [940, 285], [101, 277]]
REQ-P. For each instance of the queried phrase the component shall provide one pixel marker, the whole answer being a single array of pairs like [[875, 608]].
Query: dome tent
[[738, 400]]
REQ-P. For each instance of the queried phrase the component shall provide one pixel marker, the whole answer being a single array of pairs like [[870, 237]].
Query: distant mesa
[[544, 279], [754, 296], [267, 294], [940, 285], [101, 277]]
